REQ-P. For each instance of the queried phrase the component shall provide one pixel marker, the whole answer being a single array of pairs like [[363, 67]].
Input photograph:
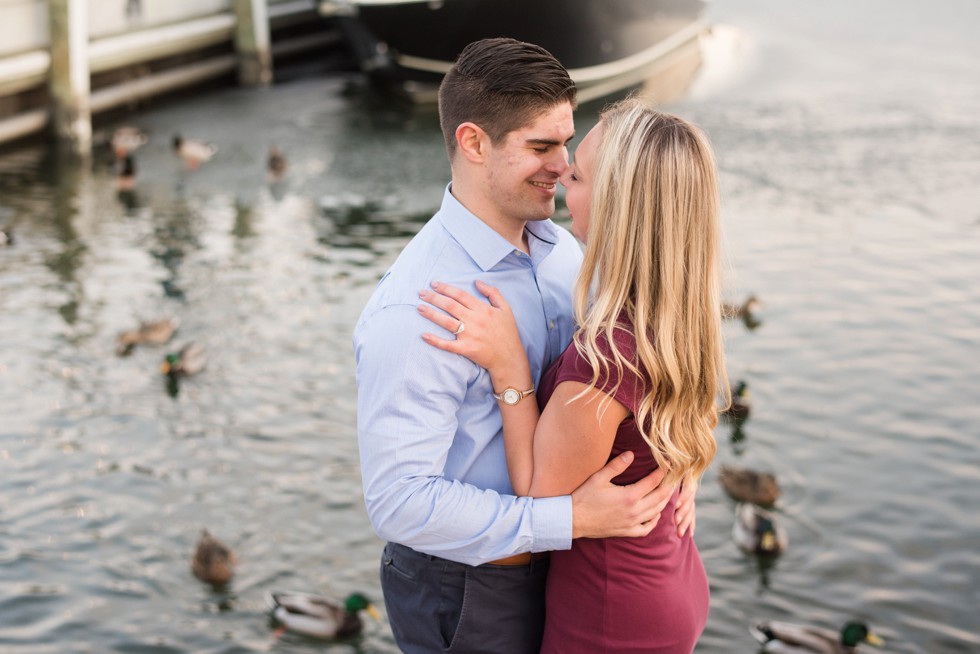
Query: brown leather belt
[[521, 559]]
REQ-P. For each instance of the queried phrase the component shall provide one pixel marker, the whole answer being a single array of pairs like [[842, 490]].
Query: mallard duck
[[213, 562], [192, 151], [747, 485], [746, 311], [749, 306], [786, 637], [741, 405], [126, 140], [319, 616], [276, 164], [188, 360], [757, 531], [155, 332]]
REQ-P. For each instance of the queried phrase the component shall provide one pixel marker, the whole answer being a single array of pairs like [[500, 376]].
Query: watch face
[[511, 396]]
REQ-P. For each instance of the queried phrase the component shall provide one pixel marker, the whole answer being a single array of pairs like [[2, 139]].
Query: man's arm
[[409, 397]]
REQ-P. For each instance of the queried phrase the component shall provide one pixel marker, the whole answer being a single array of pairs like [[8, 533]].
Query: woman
[[642, 374]]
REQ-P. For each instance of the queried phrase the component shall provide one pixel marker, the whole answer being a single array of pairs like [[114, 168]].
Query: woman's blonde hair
[[653, 262]]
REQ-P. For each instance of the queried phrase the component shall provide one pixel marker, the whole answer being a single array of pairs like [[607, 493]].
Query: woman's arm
[[552, 454], [489, 337], [573, 439], [547, 455]]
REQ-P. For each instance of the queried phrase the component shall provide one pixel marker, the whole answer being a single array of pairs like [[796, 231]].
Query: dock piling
[[252, 42], [68, 82], [64, 61]]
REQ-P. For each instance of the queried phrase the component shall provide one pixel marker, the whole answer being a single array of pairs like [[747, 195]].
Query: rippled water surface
[[846, 135]]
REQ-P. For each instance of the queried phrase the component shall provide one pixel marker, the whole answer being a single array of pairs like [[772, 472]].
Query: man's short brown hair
[[501, 85]]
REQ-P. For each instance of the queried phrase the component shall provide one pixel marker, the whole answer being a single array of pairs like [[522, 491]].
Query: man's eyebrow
[[549, 141]]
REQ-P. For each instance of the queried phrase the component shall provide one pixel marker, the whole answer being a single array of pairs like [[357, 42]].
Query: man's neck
[[512, 230]]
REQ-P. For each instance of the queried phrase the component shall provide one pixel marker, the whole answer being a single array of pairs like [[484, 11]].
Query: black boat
[[606, 45]]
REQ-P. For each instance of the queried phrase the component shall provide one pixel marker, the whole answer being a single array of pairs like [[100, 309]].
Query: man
[[465, 565]]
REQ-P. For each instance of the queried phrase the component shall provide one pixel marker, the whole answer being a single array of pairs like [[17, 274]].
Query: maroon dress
[[623, 595]]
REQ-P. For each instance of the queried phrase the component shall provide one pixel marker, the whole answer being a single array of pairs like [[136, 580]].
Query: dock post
[[69, 86], [252, 42]]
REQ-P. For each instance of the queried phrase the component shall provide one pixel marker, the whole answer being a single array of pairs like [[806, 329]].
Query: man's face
[[523, 170]]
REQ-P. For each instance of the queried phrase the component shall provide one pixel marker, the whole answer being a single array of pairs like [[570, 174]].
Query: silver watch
[[511, 396]]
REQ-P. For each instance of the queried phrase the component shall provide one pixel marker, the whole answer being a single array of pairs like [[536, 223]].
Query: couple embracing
[[532, 422]]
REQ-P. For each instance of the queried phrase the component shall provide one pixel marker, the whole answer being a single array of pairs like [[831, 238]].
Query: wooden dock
[[61, 61]]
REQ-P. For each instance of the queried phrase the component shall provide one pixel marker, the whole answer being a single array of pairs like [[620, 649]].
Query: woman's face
[[578, 179]]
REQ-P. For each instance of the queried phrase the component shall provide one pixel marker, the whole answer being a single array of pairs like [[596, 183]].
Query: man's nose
[[559, 162]]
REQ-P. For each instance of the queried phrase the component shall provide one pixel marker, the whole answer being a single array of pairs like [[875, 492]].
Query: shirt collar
[[479, 240]]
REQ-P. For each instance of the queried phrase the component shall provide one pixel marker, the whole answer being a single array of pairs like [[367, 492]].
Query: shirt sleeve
[[409, 395]]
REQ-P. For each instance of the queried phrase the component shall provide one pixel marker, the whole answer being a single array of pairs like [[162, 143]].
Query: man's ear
[[472, 142]]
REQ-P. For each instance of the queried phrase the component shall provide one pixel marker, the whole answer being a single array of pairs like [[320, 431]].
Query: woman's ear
[[472, 142]]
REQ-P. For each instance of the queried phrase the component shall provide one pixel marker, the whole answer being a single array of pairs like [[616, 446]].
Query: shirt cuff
[[552, 523]]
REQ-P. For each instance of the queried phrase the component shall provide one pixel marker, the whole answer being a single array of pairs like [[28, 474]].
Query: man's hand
[[684, 516], [600, 509]]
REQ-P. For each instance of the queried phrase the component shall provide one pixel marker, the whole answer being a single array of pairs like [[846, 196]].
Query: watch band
[[512, 396]]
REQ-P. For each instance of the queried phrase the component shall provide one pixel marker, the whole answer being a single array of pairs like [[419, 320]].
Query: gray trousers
[[435, 605]]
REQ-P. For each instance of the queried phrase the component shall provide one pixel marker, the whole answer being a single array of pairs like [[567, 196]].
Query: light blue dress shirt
[[429, 431]]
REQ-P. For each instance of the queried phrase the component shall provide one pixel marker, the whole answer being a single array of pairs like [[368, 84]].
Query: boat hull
[[606, 45]]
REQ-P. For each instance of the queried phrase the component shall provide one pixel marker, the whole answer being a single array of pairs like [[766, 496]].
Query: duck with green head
[[786, 637], [321, 617], [758, 532], [188, 360], [746, 311]]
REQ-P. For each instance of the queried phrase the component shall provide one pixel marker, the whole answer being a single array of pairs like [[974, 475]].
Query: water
[[846, 138]]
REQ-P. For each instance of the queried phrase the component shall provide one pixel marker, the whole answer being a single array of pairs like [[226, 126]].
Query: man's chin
[[544, 212]]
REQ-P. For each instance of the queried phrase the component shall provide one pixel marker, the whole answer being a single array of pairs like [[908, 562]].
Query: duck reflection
[[177, 230], [244, 218], [738, 439], [764, 566], [125, 172]]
